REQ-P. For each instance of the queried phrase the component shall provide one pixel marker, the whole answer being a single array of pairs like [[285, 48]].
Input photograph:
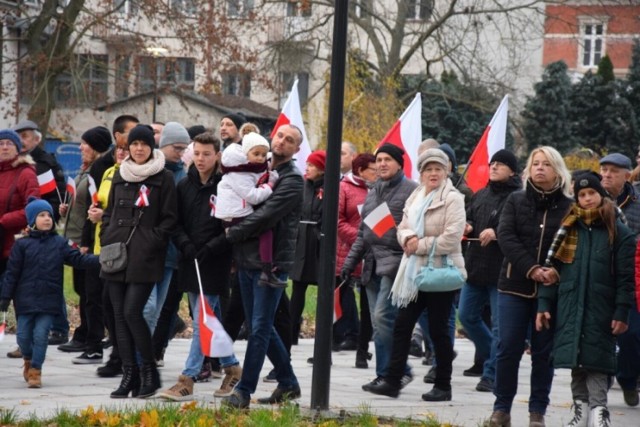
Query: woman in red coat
[[347, 333], [18, 181]]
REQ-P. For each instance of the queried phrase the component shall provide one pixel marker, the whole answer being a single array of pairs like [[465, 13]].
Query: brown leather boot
[[25, 370], [34, 378]]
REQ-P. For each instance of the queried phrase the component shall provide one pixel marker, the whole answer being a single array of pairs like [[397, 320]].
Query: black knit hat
[[142, 133], [238, 119], [98, 138], [588, 180], [394, 151], [506, 157]]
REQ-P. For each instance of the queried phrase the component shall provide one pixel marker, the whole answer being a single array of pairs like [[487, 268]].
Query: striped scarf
[[567, 250]]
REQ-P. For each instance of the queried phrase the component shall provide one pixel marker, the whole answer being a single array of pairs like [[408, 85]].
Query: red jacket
[[18, 181], [638, 277], [353, 191]]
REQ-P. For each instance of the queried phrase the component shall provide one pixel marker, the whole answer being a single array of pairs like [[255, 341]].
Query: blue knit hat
[[12, 136], [34, 207]]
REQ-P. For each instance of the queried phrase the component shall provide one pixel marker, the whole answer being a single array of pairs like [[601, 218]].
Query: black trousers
[[79, 277], [366, 328], [438, 305], [168, 316], [132, 331], [93, 310]]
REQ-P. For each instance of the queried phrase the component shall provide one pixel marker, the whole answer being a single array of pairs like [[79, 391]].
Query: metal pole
[[321, 376]]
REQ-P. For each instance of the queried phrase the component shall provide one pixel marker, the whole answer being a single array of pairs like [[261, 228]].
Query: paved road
[[75, 387]]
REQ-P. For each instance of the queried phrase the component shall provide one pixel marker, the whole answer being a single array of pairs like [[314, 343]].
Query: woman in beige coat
[[438, 208]]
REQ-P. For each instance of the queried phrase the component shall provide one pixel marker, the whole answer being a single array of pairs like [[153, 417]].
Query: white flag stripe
[[411, 132], [291, 110], [377, 215], [498, 128], [45, 177]]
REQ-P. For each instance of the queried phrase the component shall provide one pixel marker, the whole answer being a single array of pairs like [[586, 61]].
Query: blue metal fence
[[67, 154]]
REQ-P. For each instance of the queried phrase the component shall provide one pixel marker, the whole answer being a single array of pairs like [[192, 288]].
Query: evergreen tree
[[605, 69], [547, 114]]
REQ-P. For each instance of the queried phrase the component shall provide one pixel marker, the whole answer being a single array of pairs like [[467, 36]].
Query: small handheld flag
[[380, 220], [47, 182], [71, 188], [93, 191]]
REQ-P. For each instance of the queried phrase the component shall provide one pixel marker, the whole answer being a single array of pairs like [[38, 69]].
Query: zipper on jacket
[[542, 227]]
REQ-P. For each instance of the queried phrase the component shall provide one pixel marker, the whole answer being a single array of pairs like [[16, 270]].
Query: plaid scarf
[[567, 250]]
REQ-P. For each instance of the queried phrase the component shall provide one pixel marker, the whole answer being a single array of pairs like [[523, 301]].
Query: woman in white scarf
[[433, 214]]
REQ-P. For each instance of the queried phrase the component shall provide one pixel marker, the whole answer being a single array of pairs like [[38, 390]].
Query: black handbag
[[113, 258]]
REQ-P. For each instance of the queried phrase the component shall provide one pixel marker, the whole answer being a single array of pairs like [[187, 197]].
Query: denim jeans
[[383, 318], [260, 303], [629, 354], [472, 301], [33, 336], [516, 319], [60, 322], [195, 358], [154, 304]]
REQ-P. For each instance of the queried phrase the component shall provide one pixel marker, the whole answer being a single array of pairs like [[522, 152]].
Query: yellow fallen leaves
[[100, 417]]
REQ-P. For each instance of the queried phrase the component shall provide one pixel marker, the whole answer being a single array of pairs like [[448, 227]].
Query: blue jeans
[[154, 304], [60, 322], [260, 303], [516, 319], [629, 354], [472, 300], [33, 337], [195, 358], [383, 319]]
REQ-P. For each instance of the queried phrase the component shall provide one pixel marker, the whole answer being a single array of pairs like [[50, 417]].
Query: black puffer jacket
[[280, 212], [386, 250], [197, 226], [530, 219], [305, 268], [483, 263], [148, 246]]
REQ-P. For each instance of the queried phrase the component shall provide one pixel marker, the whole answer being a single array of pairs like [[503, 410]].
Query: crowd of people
[[540, 261]]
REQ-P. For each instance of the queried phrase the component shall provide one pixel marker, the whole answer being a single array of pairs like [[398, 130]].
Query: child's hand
[[4, 304], [542, 321], [618, 327]]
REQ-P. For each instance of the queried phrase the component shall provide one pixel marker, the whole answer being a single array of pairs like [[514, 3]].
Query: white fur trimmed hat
[[252, 140]]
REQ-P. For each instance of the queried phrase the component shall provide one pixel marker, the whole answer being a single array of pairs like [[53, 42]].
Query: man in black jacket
[[281, 213]]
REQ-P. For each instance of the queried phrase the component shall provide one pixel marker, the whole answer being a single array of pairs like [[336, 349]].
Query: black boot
[[130, 383], [150, 380], [361, 359]]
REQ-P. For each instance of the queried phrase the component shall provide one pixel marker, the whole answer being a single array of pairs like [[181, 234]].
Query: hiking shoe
[[579, 417], [485, 384], [57, 338], [270, 279], [232, 377], [271, 377], [236, 400], [72, 346], [536, 420], [88, 358], [15, 354], [599, 417], [182, 390], [34, 378], [499, 419], [281, 395], [375, 382], [25, 369], [361, 359], [474, 371], [630, 396]]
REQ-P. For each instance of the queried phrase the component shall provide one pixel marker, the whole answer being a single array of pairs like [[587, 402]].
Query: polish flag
[[291, 114], [93, 191], [71, 188], [406, 133], [380, 220], [214, 340], [47, 182], [3, 326], [492, 140], [337, 307]]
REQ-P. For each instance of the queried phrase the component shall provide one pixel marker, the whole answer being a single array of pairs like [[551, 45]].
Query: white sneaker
[[579, 411], [599, 417]]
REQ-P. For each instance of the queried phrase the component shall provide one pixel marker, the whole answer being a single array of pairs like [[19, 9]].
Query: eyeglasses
[[179, 149]]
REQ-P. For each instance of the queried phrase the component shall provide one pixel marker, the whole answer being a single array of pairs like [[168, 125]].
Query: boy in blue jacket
[[33, 280]]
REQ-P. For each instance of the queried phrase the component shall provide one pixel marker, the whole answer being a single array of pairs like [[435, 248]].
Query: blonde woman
[[530, 219]]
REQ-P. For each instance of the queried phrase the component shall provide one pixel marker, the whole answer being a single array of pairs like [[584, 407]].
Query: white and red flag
[[380, 220], [214, 340], [143, 196], [93, 190], [337, 306], [406, 133], [291, 114], [71, 188], [3, 325], [492, 140], [47, 182]]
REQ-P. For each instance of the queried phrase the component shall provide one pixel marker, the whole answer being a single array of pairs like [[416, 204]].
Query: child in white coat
[[247, 182]]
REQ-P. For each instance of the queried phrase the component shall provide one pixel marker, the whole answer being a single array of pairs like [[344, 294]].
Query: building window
[[125, 7], [299, 8], [185, 7], [592, 43], [162, 71], [123, 64], [86, 83], [236, 83], [287, 80], [419, 10], [239, 8]]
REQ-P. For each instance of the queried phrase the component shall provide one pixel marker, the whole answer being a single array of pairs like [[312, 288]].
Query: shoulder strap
[[134, 228]]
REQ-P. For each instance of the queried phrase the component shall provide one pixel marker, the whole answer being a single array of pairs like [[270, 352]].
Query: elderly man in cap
[[391, 189], [230, 129], [616, 169]]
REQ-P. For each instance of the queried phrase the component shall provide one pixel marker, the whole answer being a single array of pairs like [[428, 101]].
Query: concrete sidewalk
[[74, 387]]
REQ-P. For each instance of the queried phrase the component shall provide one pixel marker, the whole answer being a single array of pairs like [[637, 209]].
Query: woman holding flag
[[141, 211]]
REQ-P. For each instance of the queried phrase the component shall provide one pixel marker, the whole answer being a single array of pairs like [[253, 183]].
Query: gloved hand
[[188, 251], [345, 275], [203, 254], [4, 304], [273, 177]]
